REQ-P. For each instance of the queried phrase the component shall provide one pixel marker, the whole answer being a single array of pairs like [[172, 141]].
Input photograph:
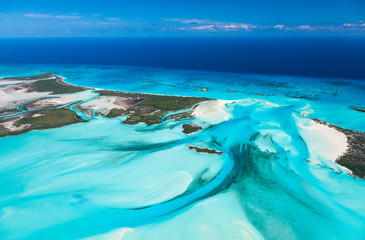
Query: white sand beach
[[323, 142], [212, 112]]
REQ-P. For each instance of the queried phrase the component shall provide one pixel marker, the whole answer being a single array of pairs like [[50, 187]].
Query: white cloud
[[229, 27], [67, 17], [204, 28], [106, 23], [234, 26], [202, 25], [35, 15], [349, 25], [210, 26], [29, 32], [113, 19], [279, 26], [359, 24], [355, 26], [186, 21], [304, 27], [221, 27], [248, 26]]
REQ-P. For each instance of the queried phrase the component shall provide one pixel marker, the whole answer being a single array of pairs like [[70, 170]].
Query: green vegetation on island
[[38, 120], [150, 108], [30, 78], [190, 128], [354, 157], [181, 116], [115, 113], [138, 107], [204, 150], [56, 86]]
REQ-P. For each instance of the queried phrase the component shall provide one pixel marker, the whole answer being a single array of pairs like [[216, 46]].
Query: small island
[[204, 150], [191, 128]]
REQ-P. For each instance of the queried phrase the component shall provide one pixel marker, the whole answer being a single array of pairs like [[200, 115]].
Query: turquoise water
[[106, 180]]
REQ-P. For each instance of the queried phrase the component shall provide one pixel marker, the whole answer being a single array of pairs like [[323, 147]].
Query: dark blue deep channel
[[335, 57]]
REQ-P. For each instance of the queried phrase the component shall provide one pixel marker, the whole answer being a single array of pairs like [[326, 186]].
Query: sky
[[150, 18]]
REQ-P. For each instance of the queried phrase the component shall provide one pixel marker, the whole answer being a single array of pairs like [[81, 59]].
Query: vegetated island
[[204, 150], [190, 128], [46, 101], [354, 157]]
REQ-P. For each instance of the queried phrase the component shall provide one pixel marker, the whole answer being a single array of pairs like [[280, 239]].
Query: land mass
[[190, 128], [46, 101], [204, 150], [354, 157]]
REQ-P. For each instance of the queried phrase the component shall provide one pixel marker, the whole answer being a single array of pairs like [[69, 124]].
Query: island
[[354, 157], [190, 128], [47, 101], [204, 150]]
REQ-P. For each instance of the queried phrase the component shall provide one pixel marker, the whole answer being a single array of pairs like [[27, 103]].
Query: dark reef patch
[[359, 109]]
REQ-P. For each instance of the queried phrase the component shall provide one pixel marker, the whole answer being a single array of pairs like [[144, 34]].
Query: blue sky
[[113, 18]]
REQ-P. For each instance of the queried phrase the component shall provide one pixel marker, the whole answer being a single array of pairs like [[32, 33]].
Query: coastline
[[46, 91], [62, 81], [353, 159], [51, 92]]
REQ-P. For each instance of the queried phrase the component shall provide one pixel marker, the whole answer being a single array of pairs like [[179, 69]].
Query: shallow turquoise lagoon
[[106, 180]]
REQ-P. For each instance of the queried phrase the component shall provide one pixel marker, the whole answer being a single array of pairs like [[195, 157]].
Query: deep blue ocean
[[334, 57]]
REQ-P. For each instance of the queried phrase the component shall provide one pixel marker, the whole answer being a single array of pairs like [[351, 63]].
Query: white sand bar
[[322, 141], [212, 112]]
